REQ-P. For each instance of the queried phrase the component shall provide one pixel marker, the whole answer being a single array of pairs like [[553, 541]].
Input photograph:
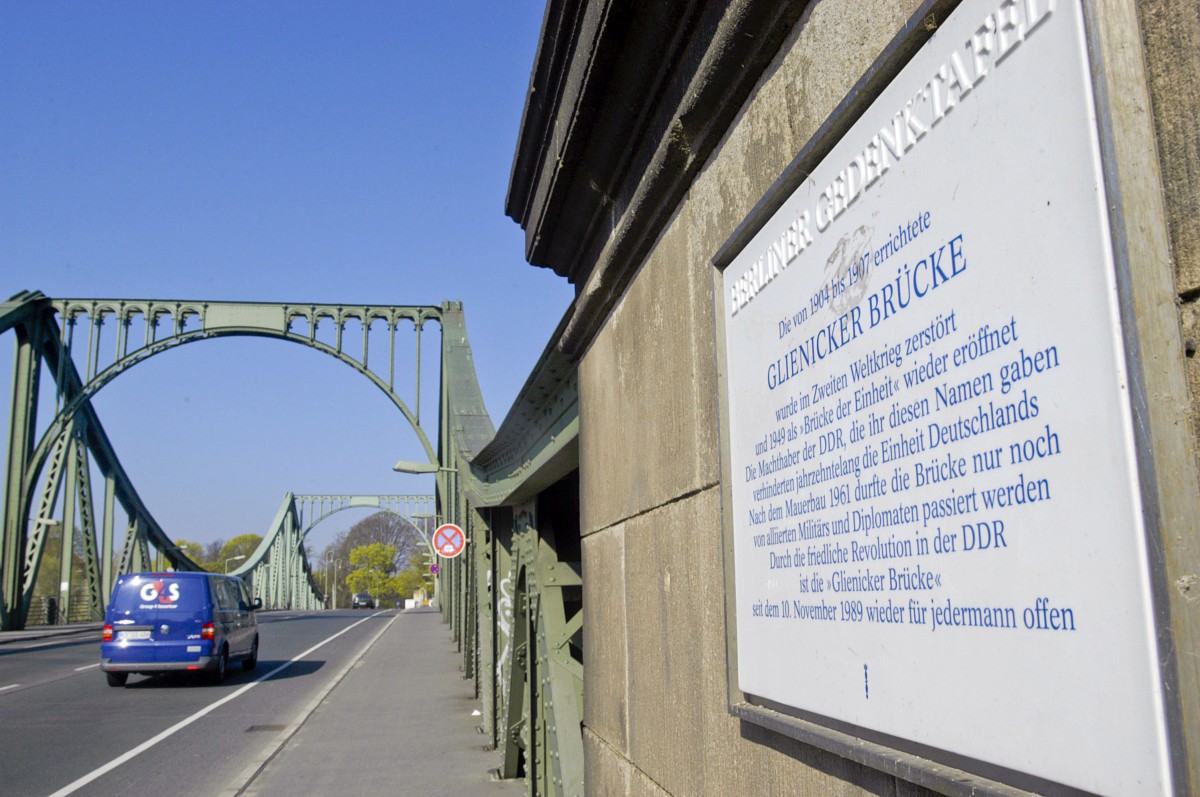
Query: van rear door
[[158, 617]]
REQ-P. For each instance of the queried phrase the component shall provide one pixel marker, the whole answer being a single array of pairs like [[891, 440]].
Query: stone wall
[[656, 718]]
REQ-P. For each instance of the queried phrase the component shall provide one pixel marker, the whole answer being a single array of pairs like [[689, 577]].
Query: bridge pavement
[[398, 722]]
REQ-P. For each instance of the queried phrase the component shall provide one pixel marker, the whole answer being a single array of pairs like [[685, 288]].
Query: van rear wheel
[[117, 678], [217, 676], [250, 663]]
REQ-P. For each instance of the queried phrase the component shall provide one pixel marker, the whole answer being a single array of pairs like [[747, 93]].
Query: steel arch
[[329, 505], [235, 319], [46, 331]]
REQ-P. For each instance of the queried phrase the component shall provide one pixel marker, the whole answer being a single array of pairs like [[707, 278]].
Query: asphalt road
[[63, 730]]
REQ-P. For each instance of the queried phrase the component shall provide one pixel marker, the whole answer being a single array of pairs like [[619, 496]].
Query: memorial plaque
[[937, 517]]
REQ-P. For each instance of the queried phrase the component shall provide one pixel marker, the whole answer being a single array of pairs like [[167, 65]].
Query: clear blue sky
[[354, 152]]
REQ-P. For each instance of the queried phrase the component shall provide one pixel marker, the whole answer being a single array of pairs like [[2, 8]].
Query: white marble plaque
[[938, 528]]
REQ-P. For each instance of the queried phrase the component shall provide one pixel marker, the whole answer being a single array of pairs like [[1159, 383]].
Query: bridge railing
[[513, 598]]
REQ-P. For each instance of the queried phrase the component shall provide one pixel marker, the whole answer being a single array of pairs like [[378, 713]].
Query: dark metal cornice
[[626, 102]]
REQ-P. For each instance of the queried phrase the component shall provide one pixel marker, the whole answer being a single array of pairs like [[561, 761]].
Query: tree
[[412, 579], [244, 545], [373, 567], [193, 551], [212, 554], [382, 527]]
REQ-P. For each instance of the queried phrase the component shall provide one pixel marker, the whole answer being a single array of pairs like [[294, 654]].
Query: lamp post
[[417, 468], [233, 559], [333, 605], [433, 555]]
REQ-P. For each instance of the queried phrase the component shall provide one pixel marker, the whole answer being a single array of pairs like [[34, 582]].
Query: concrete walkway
[[399, 722], [39, 632]]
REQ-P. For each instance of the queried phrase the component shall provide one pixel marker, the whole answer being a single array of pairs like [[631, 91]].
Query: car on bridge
[[171, 622], [363, 600]]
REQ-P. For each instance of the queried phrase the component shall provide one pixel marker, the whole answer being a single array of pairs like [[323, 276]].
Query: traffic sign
[[433, 568], [449, 541]]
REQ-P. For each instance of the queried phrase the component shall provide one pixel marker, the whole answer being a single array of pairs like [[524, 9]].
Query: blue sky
[[352, 152]]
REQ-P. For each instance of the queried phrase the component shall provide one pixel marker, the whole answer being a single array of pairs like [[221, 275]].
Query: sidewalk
[[37, 632], [399, 723]]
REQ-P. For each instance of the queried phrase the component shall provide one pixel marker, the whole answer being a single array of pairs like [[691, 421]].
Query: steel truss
[[515, 606], [542, 678], [61, 458], [512, 600]]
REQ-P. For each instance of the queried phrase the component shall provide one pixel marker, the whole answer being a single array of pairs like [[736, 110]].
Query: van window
[[226, 593], [247, 601], [158, 592]]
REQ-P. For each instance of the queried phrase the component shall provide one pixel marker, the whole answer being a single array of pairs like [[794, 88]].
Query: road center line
[[71, 788], [10, 686]]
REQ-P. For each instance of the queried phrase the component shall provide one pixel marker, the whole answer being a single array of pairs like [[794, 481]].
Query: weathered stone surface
[[681, 735], [648, 390], [656, 706], [649, 464], [1189, 324], [605, 678], [676, 638], [610, 773], [827, 53], [1171, 32]]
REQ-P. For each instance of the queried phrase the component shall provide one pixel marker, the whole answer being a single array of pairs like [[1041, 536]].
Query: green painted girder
[[312, 509], [315, 508], [538, 442], [46, 331], [278, 571], [191, 321], [541, 675], [19, 314], [68, 440], [20, 309]]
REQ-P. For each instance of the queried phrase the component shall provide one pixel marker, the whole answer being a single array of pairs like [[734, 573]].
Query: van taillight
[[107, 637], [206, 631]]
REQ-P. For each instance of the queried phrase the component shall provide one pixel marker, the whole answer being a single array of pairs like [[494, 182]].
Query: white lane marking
[[90, 666], [10, 686], [73, 787]]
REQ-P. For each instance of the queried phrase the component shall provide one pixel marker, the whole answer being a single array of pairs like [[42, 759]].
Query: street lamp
[[417, 468], [334, 561], [233, 559], [424, 532]]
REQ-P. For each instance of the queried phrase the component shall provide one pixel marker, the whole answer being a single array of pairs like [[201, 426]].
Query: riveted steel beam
[[540, 665], [45, 331]]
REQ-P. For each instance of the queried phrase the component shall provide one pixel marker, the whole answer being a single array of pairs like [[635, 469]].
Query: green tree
[[242, 546], [193, 551], [412, 579], [381, 527], [374, 566]]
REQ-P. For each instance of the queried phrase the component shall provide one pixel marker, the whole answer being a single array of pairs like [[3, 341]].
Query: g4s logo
[[154, 589]]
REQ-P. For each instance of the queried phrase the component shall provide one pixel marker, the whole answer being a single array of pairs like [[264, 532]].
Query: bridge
[[513, 600], [674, 162]]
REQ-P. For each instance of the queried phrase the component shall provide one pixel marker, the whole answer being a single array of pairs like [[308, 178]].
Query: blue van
[[166, 622]]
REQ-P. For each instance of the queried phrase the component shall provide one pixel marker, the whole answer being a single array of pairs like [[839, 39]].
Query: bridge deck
[[399, 722]]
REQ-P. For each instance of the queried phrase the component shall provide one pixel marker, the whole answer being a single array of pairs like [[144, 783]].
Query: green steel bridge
[[513, 599]]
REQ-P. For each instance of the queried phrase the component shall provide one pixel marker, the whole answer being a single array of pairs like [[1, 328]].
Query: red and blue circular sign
[[449, 541]]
